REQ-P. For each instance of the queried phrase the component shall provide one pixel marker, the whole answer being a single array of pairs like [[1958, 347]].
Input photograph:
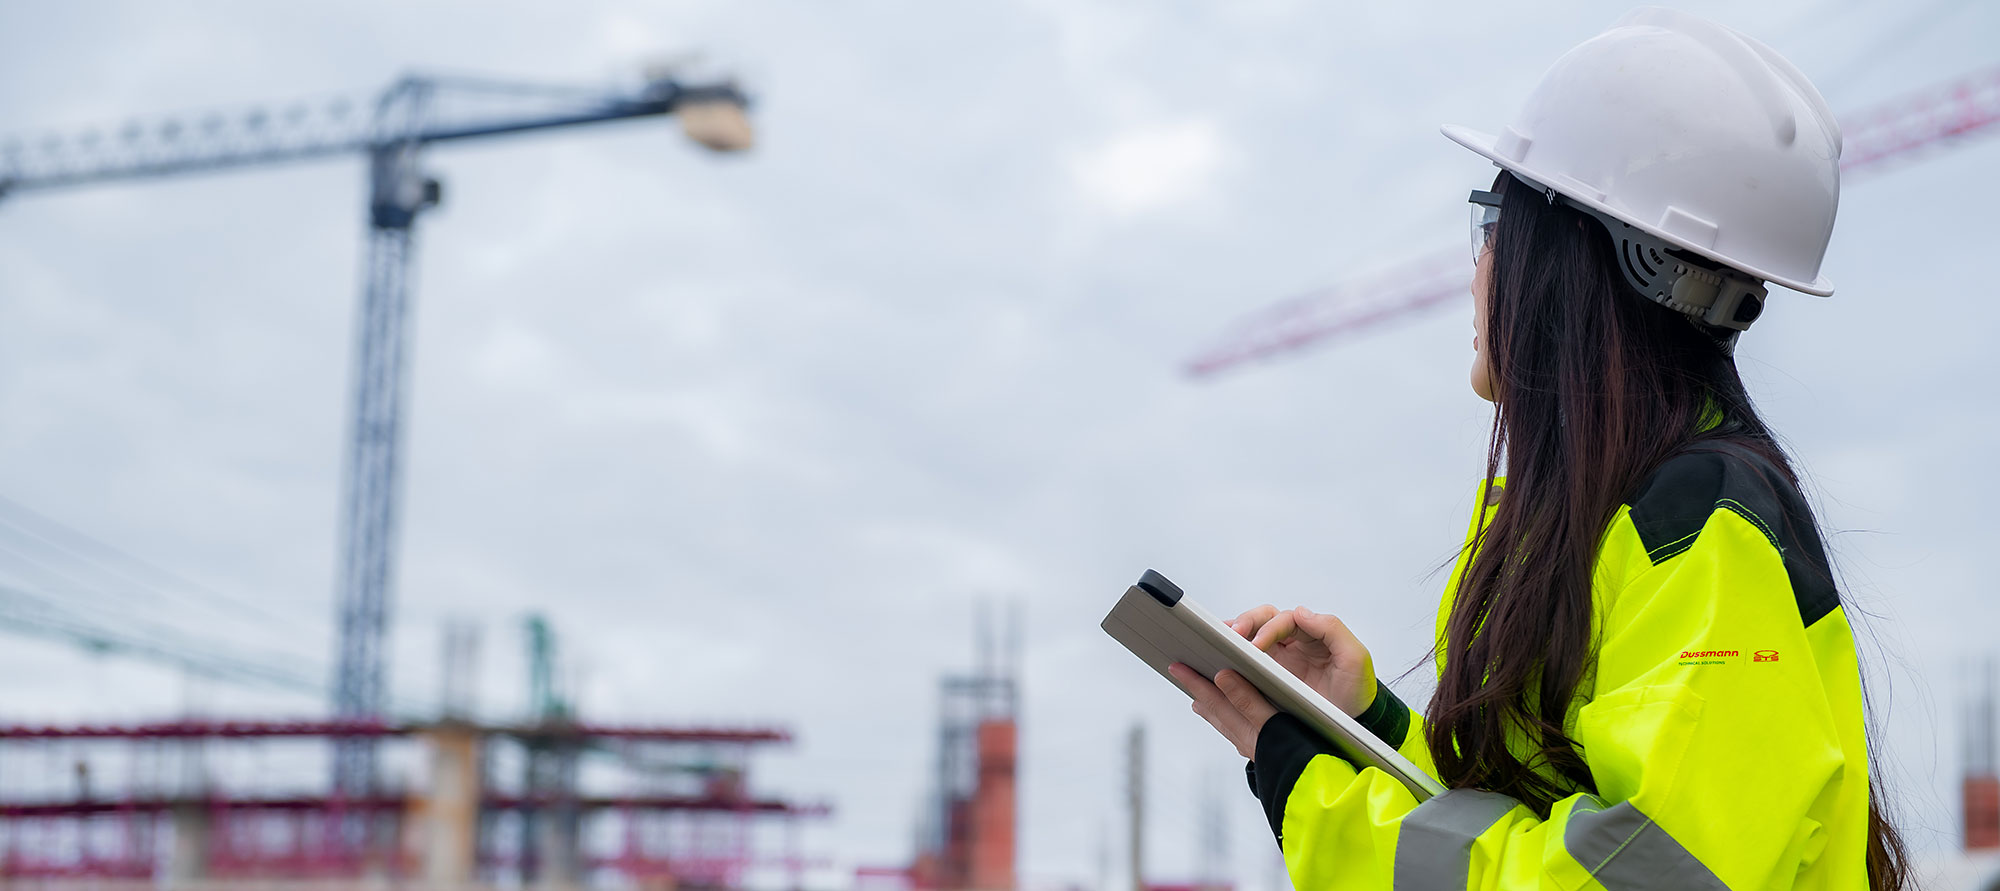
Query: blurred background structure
[[408, 117], [965, 839], [748, 432], [679, 817], [1900, 131], [191, 801]]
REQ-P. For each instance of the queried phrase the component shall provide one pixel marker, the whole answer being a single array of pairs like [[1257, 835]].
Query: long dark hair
[[1596, 387]]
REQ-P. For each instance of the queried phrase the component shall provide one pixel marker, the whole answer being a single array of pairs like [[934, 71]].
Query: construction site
[[182, 801], [552, 800], [1016, 754], [167, 802]]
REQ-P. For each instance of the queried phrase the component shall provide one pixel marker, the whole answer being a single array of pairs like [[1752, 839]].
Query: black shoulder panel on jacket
[[1674, 504]]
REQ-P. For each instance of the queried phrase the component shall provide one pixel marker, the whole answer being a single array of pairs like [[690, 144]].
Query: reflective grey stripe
[[1434, 847], [1624, 849]]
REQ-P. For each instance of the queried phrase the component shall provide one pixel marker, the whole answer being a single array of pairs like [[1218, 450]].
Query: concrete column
[[444, 817], [188, 862]]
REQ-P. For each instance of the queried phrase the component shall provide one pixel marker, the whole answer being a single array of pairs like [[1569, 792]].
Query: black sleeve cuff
[[1284, 747], [1387, 717]]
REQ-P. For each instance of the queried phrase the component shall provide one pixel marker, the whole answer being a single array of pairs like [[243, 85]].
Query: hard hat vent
[[1642, 263]]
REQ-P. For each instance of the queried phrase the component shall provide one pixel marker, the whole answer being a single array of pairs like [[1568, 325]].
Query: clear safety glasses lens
[[1485, 217]]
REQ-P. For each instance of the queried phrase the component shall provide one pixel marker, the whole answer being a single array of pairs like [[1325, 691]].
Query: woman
[[1645, 675]]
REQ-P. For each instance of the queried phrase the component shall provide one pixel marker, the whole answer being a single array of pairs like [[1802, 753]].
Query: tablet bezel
[[1161, 625]]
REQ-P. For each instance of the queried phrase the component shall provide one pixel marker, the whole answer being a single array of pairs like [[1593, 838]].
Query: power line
[[115, 561], [47, 618], [50, 576], [127, 620], [36, 614]]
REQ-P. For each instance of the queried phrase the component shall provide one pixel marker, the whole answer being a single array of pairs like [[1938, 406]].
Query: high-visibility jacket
[[1721, 721]]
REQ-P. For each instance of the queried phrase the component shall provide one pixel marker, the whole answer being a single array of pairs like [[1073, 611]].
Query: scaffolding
[[965, 839], [196, 800]]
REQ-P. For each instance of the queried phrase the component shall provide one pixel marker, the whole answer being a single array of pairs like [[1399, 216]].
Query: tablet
[[1162, 626]]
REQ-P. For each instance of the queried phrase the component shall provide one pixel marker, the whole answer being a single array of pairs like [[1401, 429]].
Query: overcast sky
[[756, 433]]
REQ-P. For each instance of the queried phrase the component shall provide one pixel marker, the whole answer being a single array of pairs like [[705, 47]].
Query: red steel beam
[[204, 729], [196, 729], [390, 803], [12, 870], [656, 734], [670, 803], [91, 808]]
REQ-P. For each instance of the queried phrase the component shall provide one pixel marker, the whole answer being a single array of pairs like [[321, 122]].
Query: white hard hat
[[1679, 133]]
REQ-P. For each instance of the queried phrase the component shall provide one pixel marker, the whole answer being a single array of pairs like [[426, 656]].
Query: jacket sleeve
[[1285, 752], [1398, 725], [1709, 762]]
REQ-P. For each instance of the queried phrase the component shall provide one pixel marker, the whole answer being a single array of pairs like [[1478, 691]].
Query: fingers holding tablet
[[1230, 704], [1252, 619]]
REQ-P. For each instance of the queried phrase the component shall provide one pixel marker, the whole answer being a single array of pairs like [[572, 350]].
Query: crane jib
[[403, 119], [446, 110]]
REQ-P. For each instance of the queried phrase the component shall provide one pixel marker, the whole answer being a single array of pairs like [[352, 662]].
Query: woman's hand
[[1318, 649], [1231, 705]]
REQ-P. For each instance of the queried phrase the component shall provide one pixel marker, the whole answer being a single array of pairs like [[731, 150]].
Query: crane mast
[[406, 118]]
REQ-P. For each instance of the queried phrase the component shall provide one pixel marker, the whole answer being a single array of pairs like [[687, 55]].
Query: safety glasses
[[1485, 218]]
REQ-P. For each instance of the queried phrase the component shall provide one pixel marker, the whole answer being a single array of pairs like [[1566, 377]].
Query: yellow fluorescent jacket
[[1722, 723]]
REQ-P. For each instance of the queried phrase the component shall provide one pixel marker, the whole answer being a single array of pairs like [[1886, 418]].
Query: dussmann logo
[[1709, 654]]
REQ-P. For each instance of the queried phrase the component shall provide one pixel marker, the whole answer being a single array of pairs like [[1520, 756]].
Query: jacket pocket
[[1635, 741]]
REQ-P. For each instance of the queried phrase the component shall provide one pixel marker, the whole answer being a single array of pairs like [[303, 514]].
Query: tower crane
[[393, 132], [1898, 130]]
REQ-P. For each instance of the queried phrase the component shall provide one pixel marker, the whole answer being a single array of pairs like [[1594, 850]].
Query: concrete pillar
[[444, 816], [188, 862]]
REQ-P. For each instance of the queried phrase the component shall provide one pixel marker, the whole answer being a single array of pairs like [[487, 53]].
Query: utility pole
[[1136, 791], [1211, 837]]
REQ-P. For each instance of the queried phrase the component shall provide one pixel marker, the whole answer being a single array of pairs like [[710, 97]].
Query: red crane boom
[[1898, 130]]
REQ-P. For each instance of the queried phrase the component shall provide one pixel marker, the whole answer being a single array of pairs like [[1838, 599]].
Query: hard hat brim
[[1483, 144]]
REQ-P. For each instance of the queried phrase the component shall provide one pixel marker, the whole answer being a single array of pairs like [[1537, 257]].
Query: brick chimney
[[1979, 789]]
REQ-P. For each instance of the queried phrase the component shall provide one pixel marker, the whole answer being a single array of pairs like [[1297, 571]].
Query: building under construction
[[965, 838], [551, 800], [447, 800]]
